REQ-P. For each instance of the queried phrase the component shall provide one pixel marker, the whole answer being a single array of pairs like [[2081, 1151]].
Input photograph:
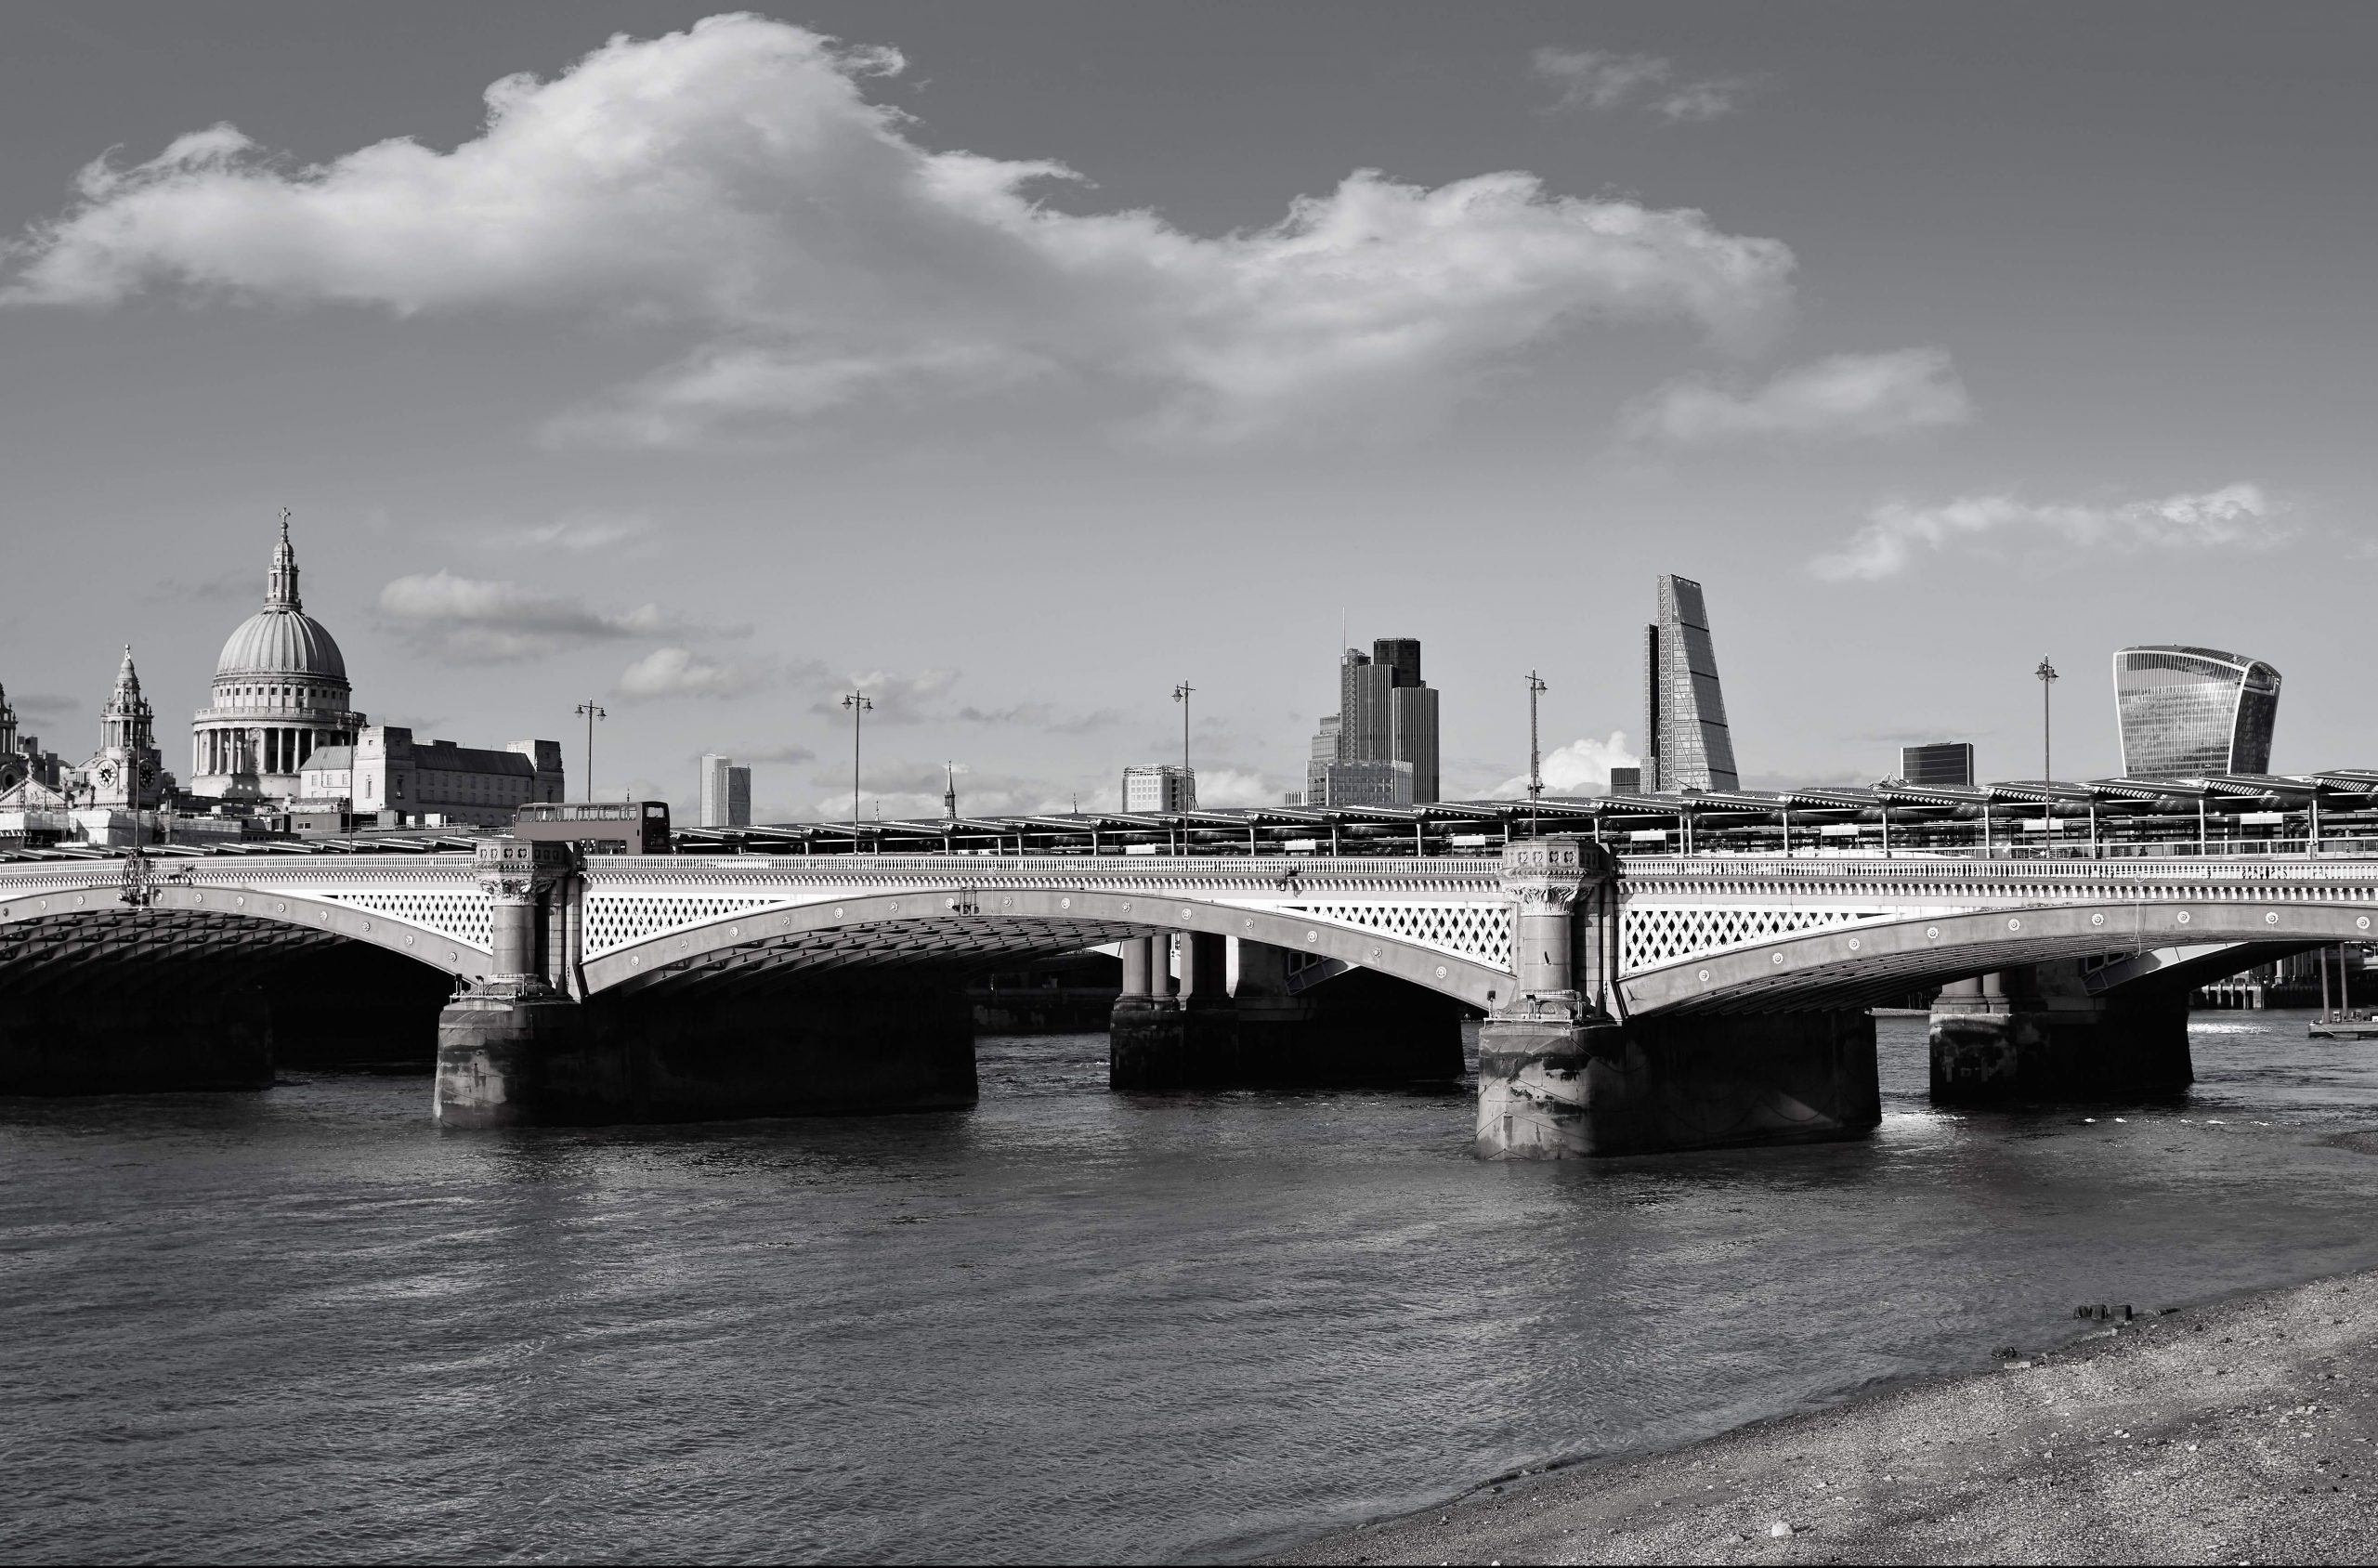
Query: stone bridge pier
[[1560, 1074]]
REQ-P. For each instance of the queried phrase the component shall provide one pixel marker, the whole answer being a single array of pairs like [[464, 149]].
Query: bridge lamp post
[[1535, 688], [1181, 694], [593, 711], [858, 702], [2046, 672]]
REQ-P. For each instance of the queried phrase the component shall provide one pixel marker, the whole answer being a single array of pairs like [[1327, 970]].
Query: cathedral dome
[[281, 642]]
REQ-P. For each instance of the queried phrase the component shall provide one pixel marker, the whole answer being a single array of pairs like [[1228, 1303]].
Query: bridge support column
[[2037, 1033], [1559, 1077], [504, 1046], [1147, 1044]]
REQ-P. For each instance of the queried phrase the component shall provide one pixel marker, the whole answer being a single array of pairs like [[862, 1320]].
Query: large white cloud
[[2235, 517], [1582, 767], [1886, 394], [735, 182]]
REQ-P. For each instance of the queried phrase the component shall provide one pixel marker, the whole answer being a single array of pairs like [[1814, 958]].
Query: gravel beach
[[2244, 1431]]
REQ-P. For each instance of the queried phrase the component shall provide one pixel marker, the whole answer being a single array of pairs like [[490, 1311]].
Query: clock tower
[[126, 773]]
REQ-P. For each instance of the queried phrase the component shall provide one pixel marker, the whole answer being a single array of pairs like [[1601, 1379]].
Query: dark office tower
[[1943, 761], [2190, 711], [1385, 713], [1686, 743]]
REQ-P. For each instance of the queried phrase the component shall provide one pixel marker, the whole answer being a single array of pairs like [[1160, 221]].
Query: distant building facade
[[1939, 761], [1344, 784], [1386, 714], [1687, 743], [126, 773], [2187, 712], [405, 782], [1159, 786], [727, 792], [1626, 782]]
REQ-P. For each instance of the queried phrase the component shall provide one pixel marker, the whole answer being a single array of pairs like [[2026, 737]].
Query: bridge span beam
[[1561, 1075]]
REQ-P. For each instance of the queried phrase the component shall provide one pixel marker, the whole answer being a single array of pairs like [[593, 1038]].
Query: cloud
[[1582, 767], [1045, 717], [676, 672], [733, 185], [1599, 80], [579, 533], [1846, 394], [775, 752], [237, 583], [1224, 787], [464, 618], [897, 698], [2236, 516], [39, 704]]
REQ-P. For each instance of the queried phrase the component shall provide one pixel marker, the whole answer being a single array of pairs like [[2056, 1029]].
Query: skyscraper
[[1686, 744], [1938, 762], [1159, 786], [1385, 713], [2189, 711], [727, 792]]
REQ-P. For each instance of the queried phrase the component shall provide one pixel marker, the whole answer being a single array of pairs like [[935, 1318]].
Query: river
[[1069, 1324]]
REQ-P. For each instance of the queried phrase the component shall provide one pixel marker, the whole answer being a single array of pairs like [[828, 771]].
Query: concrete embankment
[[2244, 1431]]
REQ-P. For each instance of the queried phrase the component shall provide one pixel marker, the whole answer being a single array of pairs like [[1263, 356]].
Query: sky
[[1016, 363]]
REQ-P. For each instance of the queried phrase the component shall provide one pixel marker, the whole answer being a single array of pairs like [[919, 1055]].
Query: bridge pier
[[1559, 1077], [2036, 1033], [505, 1045]]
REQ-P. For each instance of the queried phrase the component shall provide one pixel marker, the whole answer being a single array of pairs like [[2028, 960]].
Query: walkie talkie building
[[2187, 712]]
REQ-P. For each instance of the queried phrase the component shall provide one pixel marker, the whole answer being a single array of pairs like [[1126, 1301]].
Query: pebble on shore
[[2244, 1431]]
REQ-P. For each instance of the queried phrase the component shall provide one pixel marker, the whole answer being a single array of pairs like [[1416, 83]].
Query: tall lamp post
[[593, 711], [2046, 672], [858, 702], [1534, 754], [1181, 694]]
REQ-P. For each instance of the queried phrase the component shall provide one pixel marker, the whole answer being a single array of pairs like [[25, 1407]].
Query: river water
[[1067, 1325]]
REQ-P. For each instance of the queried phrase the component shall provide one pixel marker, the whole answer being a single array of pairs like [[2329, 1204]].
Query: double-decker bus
[[608, 827]]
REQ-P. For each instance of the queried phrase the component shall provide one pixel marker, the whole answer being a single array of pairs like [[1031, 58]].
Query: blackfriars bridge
[[1658, 1003]]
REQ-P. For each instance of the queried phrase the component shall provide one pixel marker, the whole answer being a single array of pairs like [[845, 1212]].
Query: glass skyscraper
[[2187, 712], [1386, 714], [1686, 743]]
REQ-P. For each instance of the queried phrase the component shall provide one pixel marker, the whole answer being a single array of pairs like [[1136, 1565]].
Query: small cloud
[[2236, 516], [1043, 716], [1846, 394], [1582, 767], [467, 618], [46, 704], [238, 582], [579, 533], [777, 752], [1597, 79], [677, 671], [1224, 787], [897, 698]]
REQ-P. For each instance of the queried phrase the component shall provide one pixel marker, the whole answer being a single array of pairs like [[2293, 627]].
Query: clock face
[[107, 775], [148, 772]]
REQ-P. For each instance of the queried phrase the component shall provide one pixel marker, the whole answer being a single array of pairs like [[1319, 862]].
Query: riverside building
[[2189, 712], [727, 792]]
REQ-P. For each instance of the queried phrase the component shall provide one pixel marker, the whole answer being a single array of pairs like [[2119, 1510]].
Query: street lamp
[[1181, 694], [1535, 756], [858, 702], [592, 713], [2046, 672]]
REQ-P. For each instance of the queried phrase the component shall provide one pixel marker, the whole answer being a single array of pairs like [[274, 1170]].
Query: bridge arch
[[1857, 964], [210, 915], [959, 923]]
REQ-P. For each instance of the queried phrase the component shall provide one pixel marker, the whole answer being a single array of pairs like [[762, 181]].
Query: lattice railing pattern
[[460, 915], [1666, 933], [1479, 932], [622, 920]]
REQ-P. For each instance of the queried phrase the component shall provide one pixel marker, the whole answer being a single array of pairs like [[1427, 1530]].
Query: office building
[[1626, 782], [1386, 713], [1687, 745], [402, 782], [2187, 713], [1940, 762], [727, 792], [1344, 784], [1159, 786]]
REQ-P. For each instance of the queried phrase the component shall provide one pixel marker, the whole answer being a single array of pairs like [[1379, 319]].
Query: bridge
[[1662, 1001]]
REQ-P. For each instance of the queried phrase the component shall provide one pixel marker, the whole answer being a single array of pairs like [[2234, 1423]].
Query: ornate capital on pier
[[520, 872], [1552, 873]]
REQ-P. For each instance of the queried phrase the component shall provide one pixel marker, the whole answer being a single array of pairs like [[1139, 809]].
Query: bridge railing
[[1068, 868], [2325, 868]]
